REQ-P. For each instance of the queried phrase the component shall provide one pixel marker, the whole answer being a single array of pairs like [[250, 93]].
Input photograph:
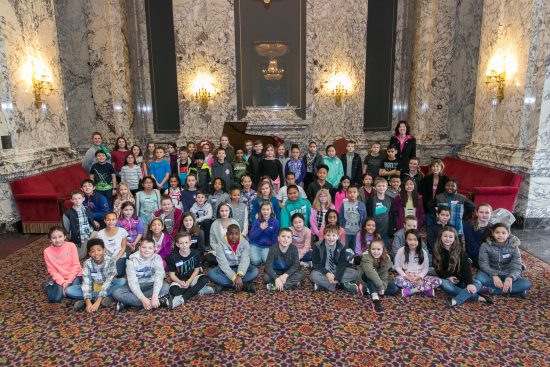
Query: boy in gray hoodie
[[233, 256], [146, 286]]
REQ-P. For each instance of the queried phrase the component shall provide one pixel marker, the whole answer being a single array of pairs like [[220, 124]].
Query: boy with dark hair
[[312, 160], [320, 183], [443, 219], [254, 161], [201, 170], [282, 194], [96, 202], [98, 279], [159, 170], [390, 165], [222, 168], [183, 164], [459, 205], [351, 162], [234, 269], [282, 267], [79, 223], [330, 265], [104, 176]]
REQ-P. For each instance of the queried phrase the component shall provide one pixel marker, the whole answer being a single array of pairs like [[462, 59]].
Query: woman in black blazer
[[431, 185], [405, 144]]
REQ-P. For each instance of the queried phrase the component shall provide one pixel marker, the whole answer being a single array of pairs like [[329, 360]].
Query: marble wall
[[512, 134], [446, 49], [39, 136]]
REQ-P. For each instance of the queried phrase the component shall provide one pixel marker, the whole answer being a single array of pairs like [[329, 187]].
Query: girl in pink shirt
[[61, 259]]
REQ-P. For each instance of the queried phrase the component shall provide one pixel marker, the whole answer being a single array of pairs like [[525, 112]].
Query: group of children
[[243, 209]]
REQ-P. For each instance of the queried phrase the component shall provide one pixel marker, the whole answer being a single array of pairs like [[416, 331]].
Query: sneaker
[[176, 301], [449, 302], [377, 306], [271, 287], [406, 292], [79, 305], [298, 285], [316, 287], [217, 288], [488, 299], [206, 290], [523, 294], [350, 287], [430, 293], [164, 301], [249, 287], [120, 306], [106, 302]]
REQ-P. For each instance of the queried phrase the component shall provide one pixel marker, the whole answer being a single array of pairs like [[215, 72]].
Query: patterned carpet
[[300, 328]]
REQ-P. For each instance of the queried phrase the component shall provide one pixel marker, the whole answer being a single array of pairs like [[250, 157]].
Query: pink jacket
[[62, 262], [339, 199], [313, 222]]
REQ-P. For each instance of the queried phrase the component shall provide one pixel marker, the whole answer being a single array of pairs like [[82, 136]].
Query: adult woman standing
[[405, 143], [431, 185], [89, 157]]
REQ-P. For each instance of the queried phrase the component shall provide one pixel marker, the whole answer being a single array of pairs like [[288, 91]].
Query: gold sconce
[[502, 65], [339, 85], [494, 78], [41, 85], [202, 90]]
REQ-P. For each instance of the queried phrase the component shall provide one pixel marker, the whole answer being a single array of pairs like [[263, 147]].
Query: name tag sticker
[[194, 241], [505, 256], [147, 199], [179, 263]]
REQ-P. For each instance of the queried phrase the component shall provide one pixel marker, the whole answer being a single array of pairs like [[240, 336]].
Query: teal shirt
[[299, 206], [335, 170]]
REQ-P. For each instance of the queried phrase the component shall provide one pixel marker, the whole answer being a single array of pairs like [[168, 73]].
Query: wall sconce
[[501, 66], [41, 85], [339, 85], [202, 90], [496, 79]]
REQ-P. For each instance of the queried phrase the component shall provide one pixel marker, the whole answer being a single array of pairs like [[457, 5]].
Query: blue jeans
[[459, 291], [125, 295], [518, 286], [121, 267], [390, 290], [258, 255], [350, 241], [75, 291], [55, 292], [218, 276]]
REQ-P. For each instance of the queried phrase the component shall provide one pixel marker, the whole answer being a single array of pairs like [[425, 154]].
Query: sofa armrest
[[41, 197], [496, 190]]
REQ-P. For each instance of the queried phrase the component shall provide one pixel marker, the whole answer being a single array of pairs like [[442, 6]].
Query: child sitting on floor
[[98, 279], [282, 267], [374, 276], [234, 269], [411, 263], [79, 223], [62, 263], [146, 287], [184, 266], [330, 265], [115, 239], [500, 266]]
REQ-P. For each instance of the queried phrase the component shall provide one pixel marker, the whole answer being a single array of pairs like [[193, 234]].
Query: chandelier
[[272, 50], [273, 71]]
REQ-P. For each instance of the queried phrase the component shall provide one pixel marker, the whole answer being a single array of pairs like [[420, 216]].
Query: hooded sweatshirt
[[140, 271], [301, 205]]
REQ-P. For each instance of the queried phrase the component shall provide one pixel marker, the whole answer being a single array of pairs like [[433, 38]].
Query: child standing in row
[[366, 191], [282, 267], [189, 194], [62, 262], [221, 168], [352, 214], [321, 205], [373, 160], [312, 160], [411, 263], [240, 166], [296, 166], [159, 170], [147, 201], [123, 195], [79, 223], [133, 225], [351, 162], [408, 202], [131, 173], [342, 192], [320, 183], [183, 164], [334, 164], [263, 234], [282, 195], [381, 208], [248, 195], [219, 194], [239, 210], [175, 192], [330, 265], [104, 176]]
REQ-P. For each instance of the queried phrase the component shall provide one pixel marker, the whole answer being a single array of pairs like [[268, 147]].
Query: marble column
[[511, 134], [39, 136], [443, 82]]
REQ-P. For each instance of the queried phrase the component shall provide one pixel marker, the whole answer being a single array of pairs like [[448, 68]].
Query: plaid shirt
[[100, 275], [83, 225], [457, 211]]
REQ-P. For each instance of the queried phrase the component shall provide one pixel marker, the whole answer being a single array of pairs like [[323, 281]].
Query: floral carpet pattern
[[298, 328]]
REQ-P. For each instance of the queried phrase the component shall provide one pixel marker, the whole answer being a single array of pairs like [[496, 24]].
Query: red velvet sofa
[[484, 184], [41, 198]]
